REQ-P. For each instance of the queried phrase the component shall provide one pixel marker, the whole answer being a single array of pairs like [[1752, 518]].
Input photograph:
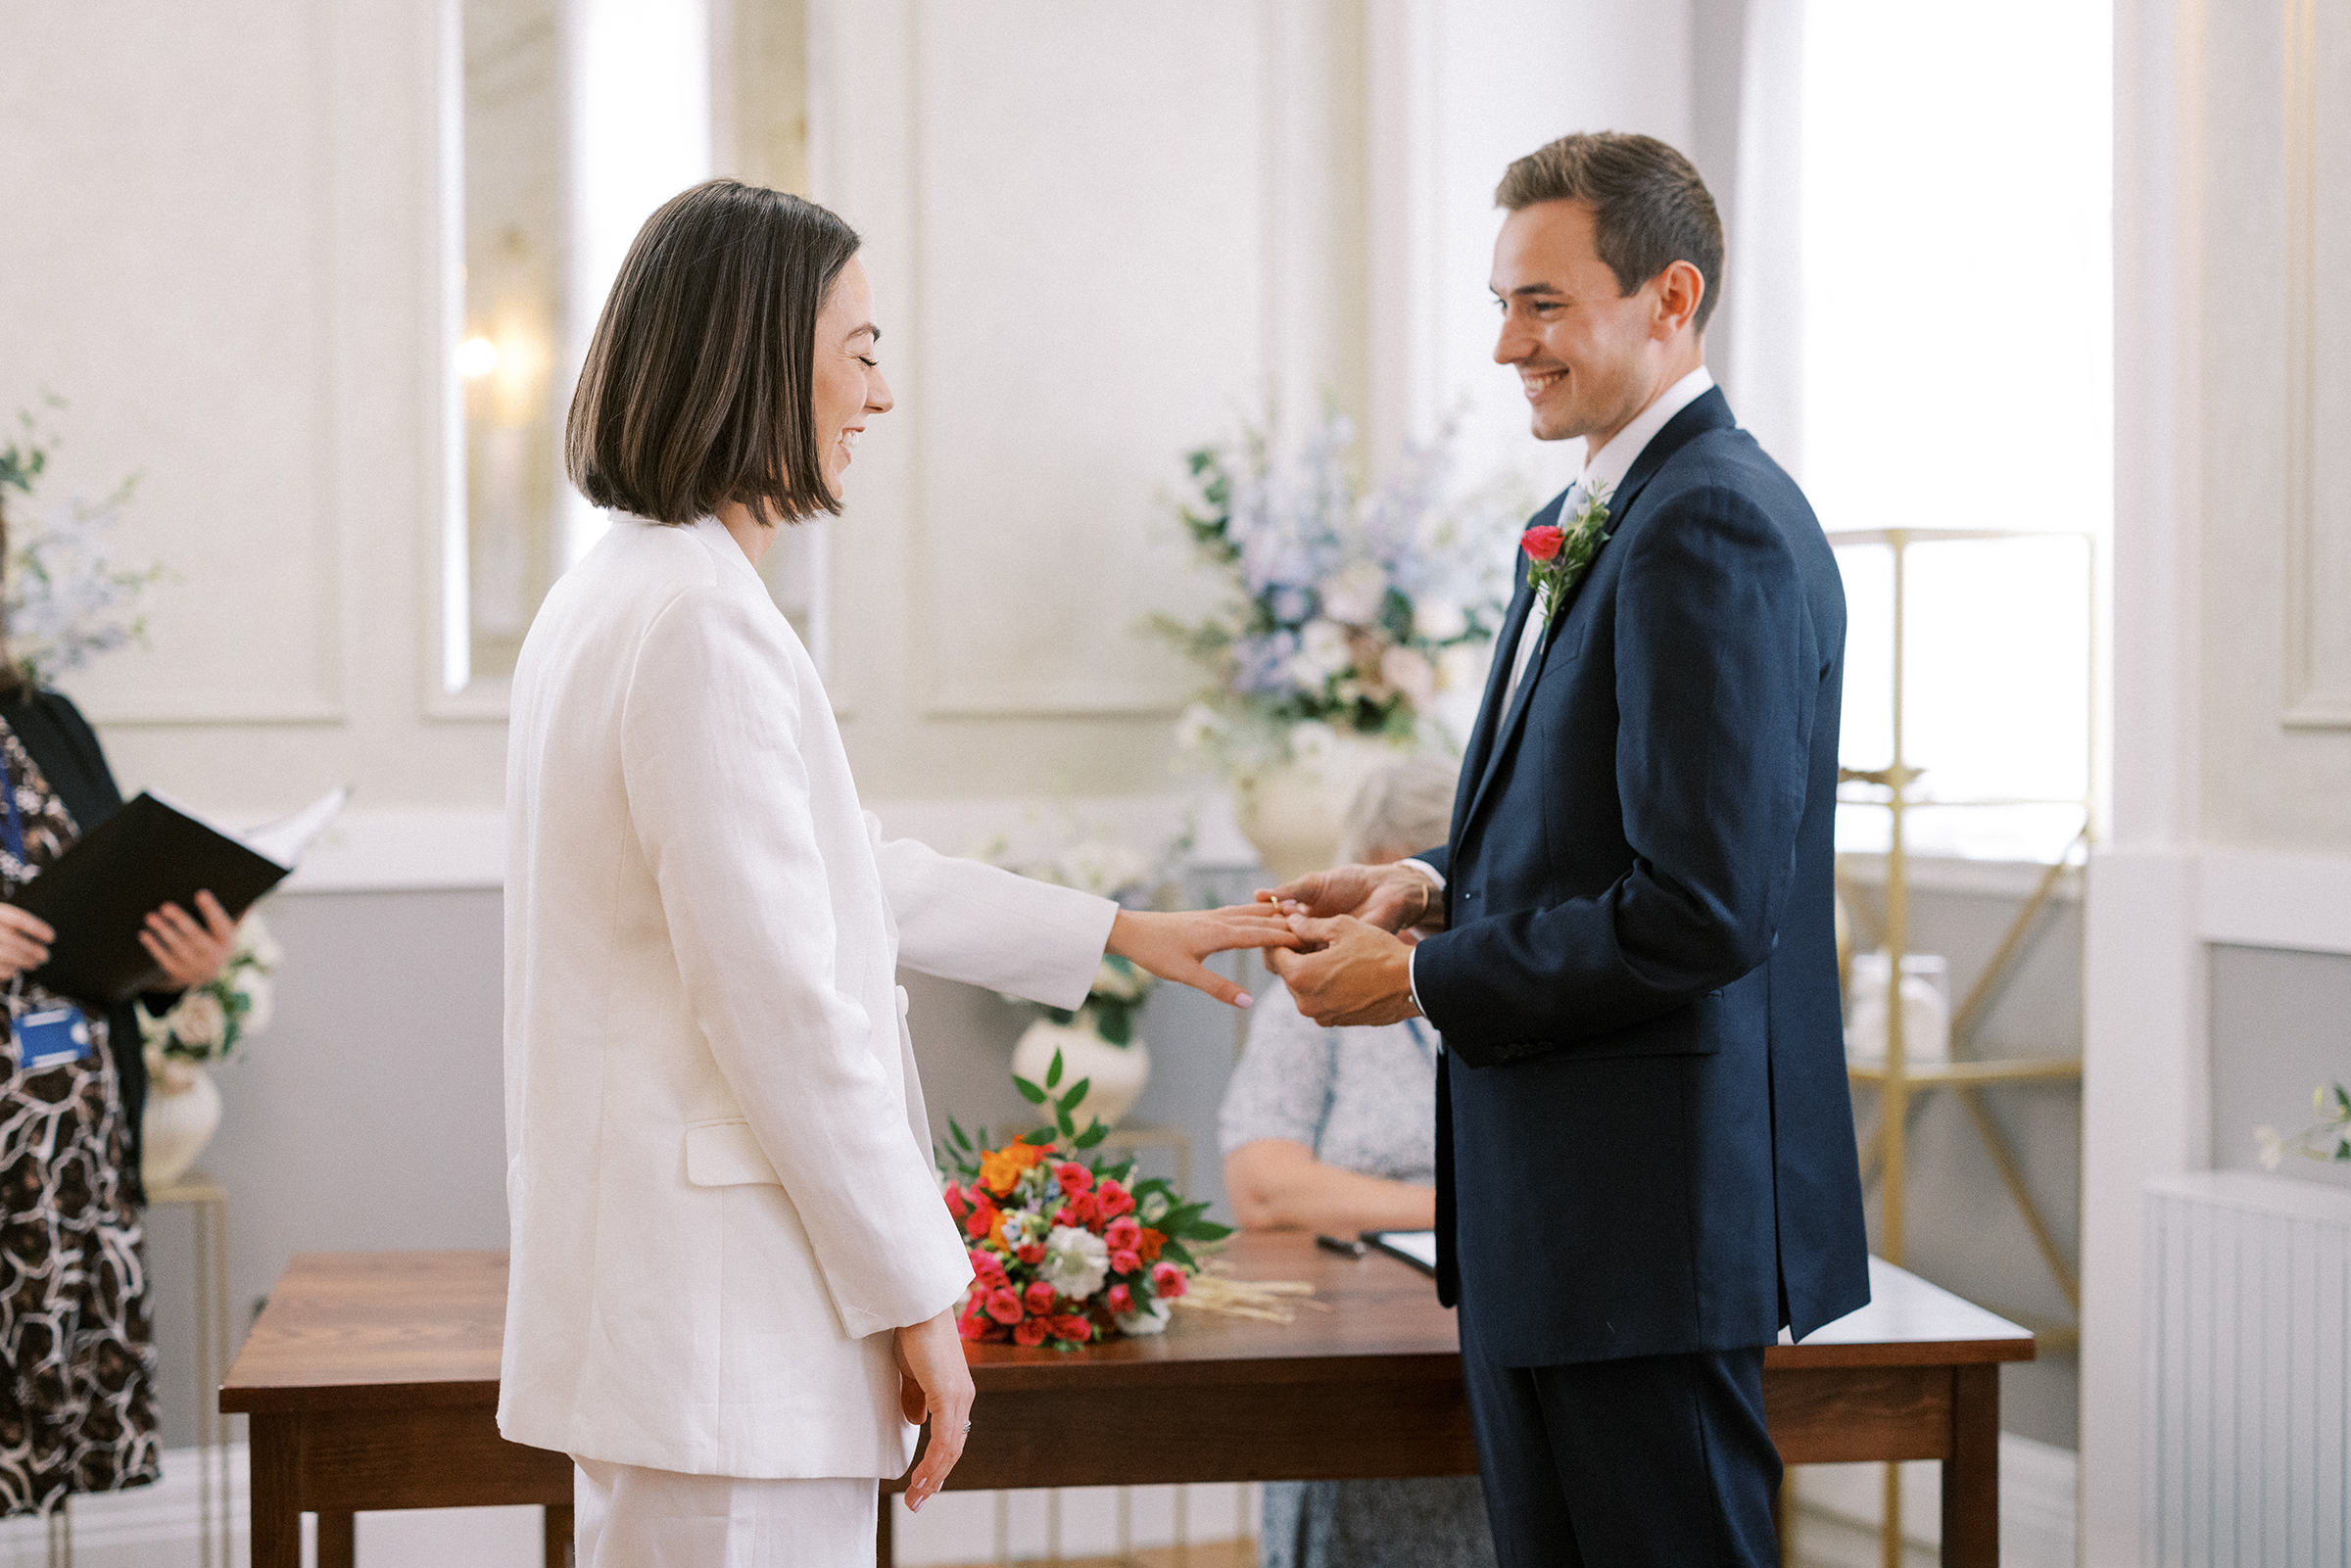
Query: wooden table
[[371, 1382]]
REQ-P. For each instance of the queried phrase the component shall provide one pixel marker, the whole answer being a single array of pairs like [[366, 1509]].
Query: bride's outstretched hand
[[1173, 945]]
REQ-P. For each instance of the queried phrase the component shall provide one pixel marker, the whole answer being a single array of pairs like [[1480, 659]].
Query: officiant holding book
[[1645, 1151], [78, 1383]]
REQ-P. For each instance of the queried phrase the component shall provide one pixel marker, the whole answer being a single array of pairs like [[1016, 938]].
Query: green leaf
[[956, 1133], [1175, 1252], [1042, 1137], [1053, 1072], [1115, 1024], [1029, 1091], [1096, 1133], [1069, 1101], [1061, 1120], [1207, 1230]]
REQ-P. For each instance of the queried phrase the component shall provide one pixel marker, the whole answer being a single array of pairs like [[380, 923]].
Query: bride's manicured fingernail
[[1243, 1000]]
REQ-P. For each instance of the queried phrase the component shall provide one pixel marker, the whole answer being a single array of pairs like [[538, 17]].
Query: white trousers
[[625, 1516]]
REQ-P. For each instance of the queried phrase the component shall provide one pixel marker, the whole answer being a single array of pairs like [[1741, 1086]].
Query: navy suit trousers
[[1651, 1461]]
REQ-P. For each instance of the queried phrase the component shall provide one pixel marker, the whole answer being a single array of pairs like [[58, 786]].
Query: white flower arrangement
[[1090, 860], [2330, 1140], [1350, 610], [211, 1021], [66, 600]]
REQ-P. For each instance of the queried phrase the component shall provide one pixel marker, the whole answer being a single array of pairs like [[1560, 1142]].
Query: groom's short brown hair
[[1649, 208]]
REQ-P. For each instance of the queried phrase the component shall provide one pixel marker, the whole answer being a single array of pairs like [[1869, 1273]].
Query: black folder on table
[[97, 895]]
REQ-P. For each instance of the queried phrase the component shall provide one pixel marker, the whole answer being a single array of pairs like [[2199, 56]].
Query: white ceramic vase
[[1292, 814], [183, 1112], [1115, 1074]]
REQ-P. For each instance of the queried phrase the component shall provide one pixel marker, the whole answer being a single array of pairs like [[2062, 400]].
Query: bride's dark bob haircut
[[699, 387]]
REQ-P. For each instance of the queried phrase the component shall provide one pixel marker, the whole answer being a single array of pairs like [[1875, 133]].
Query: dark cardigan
[[65, 749]]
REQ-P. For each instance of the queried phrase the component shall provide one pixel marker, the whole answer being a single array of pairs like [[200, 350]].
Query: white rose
[[1100, 867], [1150, 1318], [1440, 621], [1077, 1261], [260, 999], [1356, 594], [254, 940], [199, 1020], [1200, 726], [1322, 652], [1407, 672]]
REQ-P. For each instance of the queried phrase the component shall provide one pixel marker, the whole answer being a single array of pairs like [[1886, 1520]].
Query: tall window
[[1957, 364]]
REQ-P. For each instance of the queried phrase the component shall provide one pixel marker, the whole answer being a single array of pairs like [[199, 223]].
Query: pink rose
[[1032, 1332], [1033, 1255], [1114, 1199], [1003, 1305], [1542, 543], [956, 1204], [1126, 1260], [1168, 1281], [1124, 1232], [1071, 1327], [1121, 1301], [971, 1325], [981, 1220], [1083, 1209], [1037, 1298], [1074, 1177], [986, 1267]]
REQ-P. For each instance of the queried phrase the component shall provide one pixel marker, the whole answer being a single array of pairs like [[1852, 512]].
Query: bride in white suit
[[731, 1270]]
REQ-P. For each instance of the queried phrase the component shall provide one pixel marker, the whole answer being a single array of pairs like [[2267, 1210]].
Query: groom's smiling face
[[1586, 352]]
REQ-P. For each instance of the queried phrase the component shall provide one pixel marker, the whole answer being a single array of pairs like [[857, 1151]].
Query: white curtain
[[1758, 337]]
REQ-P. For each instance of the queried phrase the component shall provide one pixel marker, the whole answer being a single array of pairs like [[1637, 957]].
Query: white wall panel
[[175, 283], [1088, 302], [2318, 283]]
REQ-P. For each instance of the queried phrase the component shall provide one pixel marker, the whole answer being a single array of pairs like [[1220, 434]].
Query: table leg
[[557, 1553], [1971, 1476], [338, 1537], [885, 1551], [276, 1523]]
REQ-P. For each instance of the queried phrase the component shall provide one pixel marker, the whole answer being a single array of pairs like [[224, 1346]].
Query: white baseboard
[[1840, 1506]]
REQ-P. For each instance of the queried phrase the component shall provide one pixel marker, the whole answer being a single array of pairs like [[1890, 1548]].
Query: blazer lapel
[[1705, 412]]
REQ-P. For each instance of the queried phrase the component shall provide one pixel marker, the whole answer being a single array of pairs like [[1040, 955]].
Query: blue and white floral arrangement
[[1351, 607], [67, 599]]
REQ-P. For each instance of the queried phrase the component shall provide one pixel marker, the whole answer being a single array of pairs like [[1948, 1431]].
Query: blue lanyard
[[14, 824]]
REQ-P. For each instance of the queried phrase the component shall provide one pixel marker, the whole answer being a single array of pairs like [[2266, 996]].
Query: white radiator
[[2248, 1415]]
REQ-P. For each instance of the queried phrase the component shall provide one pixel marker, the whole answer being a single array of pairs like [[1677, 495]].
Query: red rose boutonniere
[[1557, 558]]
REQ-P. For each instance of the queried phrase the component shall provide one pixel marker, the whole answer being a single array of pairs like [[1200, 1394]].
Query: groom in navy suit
[[1645, 1146]]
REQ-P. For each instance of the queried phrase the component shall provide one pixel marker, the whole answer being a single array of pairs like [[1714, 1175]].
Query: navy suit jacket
[[1645, 1137]]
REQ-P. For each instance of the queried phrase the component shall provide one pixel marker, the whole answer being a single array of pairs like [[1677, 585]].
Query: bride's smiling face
[[848, 383]]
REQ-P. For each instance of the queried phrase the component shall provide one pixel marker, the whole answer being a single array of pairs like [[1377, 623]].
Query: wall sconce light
[[476, 357]]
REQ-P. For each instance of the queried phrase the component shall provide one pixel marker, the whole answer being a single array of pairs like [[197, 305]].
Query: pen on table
[[1336, 1244]]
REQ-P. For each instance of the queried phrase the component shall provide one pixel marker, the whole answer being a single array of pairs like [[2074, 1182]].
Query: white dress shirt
[[1604, 468]]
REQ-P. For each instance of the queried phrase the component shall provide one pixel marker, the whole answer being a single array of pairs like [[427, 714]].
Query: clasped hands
[[1349, 967]]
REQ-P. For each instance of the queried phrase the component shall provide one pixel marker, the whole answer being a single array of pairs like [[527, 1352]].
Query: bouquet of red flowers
[[1067, 1251]]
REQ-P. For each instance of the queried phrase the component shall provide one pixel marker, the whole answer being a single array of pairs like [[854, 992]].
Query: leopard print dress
[[77, 1342]]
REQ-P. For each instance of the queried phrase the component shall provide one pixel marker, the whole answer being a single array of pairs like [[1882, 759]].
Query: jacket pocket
[[725, 1154]]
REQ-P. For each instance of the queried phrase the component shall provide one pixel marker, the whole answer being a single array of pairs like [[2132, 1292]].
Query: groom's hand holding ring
[[1393, 897], [1349, 974]]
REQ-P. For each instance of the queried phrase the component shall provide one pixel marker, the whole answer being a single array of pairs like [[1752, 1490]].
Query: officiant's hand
[[1349, 974], [1391, 897], [1173, 945], [24, 940], [189, 952], [933, 1382]]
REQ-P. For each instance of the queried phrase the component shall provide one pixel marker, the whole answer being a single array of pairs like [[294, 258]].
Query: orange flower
[[1001, 1170], [1150, 1244]]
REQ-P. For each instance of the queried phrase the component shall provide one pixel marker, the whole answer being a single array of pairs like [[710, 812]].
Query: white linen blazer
[[718, 1174]]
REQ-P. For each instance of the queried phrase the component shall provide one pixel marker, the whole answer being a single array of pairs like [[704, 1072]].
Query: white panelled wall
[[2231, 765]]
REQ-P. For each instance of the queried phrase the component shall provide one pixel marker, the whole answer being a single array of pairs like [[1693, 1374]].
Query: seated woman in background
[[76, 1342], [1335, 1131]]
